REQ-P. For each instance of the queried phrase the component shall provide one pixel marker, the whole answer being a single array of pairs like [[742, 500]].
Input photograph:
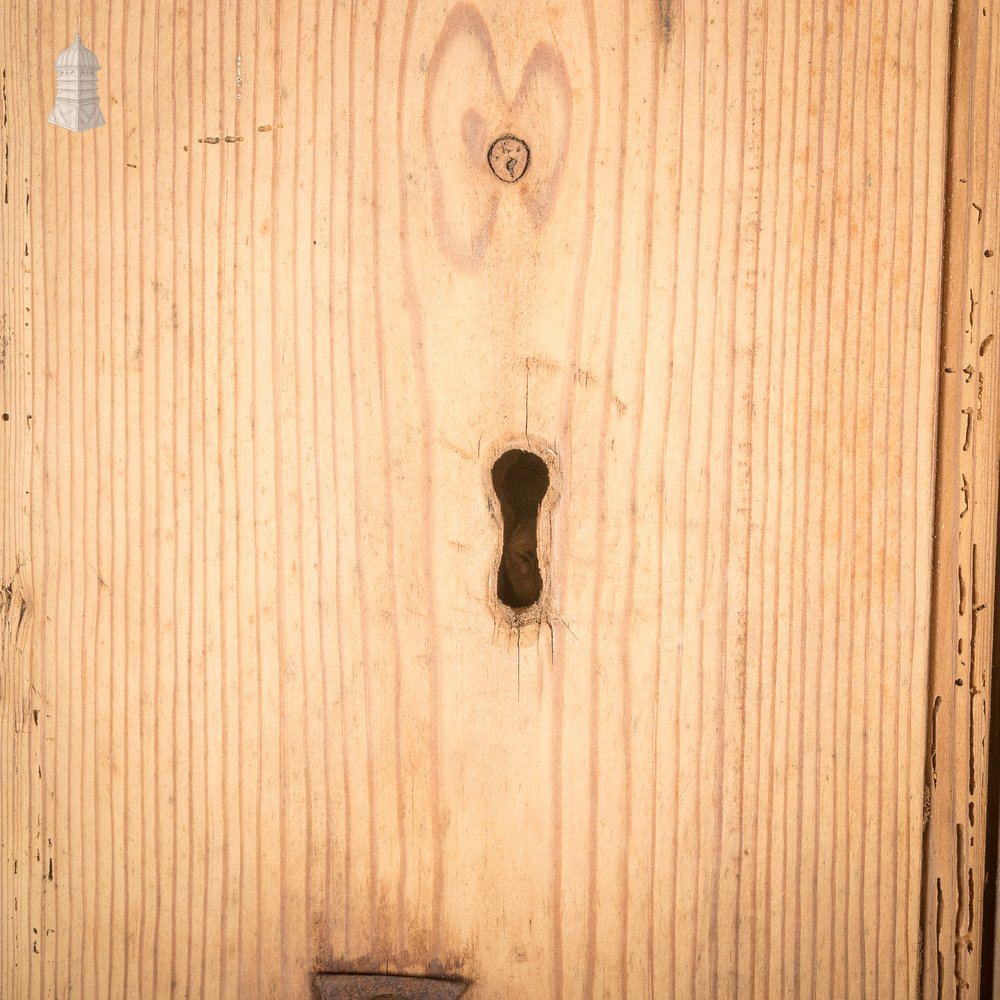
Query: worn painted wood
[[966, 522], [265, 333]]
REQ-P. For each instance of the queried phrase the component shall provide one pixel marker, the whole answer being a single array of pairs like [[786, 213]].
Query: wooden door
[[266, 334]]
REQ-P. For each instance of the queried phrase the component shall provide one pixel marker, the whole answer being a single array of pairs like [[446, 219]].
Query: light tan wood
[[966, 521], [264, 333]]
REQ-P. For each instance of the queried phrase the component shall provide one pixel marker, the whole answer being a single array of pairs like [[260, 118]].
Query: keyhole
[[520, 480]]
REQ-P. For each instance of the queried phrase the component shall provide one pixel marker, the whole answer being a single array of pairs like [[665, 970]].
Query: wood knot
[[473, 127], [509, 158]]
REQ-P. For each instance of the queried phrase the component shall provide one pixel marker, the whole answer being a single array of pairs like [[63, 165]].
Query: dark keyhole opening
[[520, 480]]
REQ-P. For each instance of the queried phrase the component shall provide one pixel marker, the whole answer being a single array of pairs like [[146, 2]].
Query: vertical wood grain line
[[751, 395], [303, 830], [678, 44], [183, 401], [364, 586], [53, 540], [755, 935], [312, 87], [276, 335], [836, 878], [673, 969], [850, 457], [564, 447], [103, 881], [116, 655], [19, 828], [255, 475], [646, 231], [884, 637], [33, 332], [893, 644], [39, 331], [691, 964], [151, 424], [38, 325], [198, 390], [877, 572], [246, 647], [766, 808], [859, 493], [83, 515], [792, 379], [794, 782], [815, 150], [336, 341], [729, 366], [871, 969], [656, 62], [337, 565], [733, 651], [65, 614], [390, 513], [417, 338], [130, 681], [166, 885], [180, 885], [594, 721], [914, 970], [918, 181]]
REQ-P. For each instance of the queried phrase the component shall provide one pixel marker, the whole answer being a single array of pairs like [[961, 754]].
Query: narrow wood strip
[[965, 522]]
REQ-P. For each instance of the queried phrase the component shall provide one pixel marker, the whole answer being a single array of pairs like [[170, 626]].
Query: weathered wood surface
[[966, 522], [263, 335]]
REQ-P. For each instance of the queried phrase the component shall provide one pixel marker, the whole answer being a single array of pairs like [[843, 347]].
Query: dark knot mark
[[509, 158]]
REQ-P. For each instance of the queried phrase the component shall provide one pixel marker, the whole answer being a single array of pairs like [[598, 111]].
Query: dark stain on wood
[[666, 16], [353, 986]]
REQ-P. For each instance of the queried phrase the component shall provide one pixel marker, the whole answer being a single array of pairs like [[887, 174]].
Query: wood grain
[[956, 839], [272, 325]]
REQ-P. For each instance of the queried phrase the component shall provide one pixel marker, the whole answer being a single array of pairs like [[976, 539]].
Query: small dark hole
[[520, 480]]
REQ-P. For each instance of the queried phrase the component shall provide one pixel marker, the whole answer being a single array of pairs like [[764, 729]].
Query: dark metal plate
[[349, 986]]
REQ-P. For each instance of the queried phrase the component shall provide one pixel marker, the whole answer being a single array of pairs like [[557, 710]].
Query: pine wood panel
[[272, 324], [966, 527]]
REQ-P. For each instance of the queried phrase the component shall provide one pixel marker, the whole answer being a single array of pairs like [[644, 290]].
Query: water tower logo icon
[[76, 107]]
